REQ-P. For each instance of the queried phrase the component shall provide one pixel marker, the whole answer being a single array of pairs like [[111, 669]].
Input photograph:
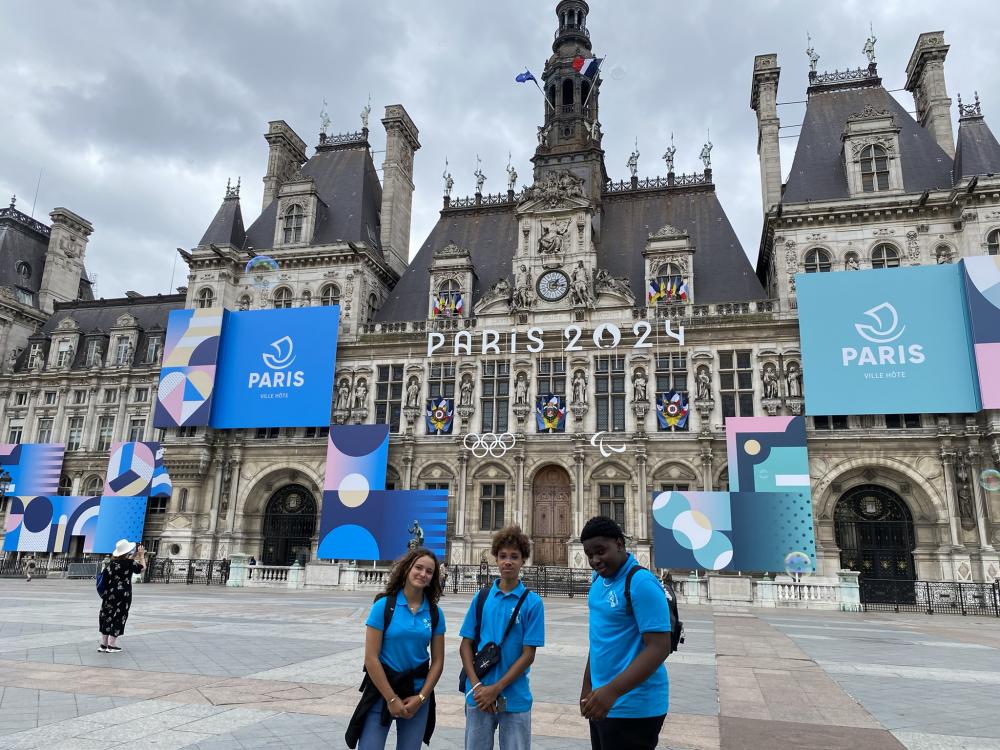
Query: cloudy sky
[[135, 114]]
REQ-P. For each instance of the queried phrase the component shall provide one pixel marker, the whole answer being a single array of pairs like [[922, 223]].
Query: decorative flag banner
[[48, 523], [440, 416], [669, 288], [982, 293], [360, 519], [187, 376], [550, 414], [525, 77], [34, 468], [448, 306], [587, 66], [136, 469], [672, 410]]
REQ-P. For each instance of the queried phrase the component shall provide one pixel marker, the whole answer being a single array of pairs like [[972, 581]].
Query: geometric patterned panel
[[190, 359], [46, 523], [982, 293], [130, 469], [34, 468]]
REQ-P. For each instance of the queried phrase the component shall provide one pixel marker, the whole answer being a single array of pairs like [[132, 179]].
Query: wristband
[[473, 689], [393, 698], [422, 698]]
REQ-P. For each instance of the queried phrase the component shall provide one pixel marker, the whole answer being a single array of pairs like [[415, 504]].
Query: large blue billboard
[[887, 341], [276, 368]]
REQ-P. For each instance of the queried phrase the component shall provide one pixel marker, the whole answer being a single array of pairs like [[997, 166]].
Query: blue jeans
[[515, 729], [409, 732]]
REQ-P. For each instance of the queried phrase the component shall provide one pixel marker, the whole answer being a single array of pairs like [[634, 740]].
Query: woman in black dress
[[127, 560]]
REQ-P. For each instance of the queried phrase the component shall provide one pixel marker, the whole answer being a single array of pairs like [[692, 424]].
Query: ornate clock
[[553, 285]]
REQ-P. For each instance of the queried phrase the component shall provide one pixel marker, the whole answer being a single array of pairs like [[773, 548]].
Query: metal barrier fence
[[930, 597], [189, 571], [544, 580], [11, 567]]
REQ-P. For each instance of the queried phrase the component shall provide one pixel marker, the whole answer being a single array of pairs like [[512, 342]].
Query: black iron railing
[[189, 571], [931, 597]]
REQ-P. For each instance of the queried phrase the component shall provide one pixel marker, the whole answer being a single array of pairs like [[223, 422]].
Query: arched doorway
[[289, 525], [874, 530], [550, 518]]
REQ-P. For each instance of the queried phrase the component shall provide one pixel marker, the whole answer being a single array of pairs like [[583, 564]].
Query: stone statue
[[579, 388], [361, 394], [869, 48], [852, 263], [551, 242], [466, 391], [704, 384], [417, 540], [511, 175], [770, 378], [668, 155], [480, 177], [580, 286], [633, 161], [37, 364], [522, 288], [449, 183], [639, 384], [343, 395], [706, 154], [365, 111], [70, 356], [521, 389], [413, 393], [324, 119], [500, 290], [12, 360], [811, 54], [98, 357], [793, 378], [943, 255], [543, 136]]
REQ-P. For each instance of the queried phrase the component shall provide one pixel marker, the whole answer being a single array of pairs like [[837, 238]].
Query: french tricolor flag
[[587, 66]]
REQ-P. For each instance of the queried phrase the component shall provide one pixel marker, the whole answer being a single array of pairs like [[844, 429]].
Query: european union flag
[[525, 77]]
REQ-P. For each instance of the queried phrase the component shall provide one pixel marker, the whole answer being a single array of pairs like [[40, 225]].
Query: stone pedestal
[[238, 570], [321, 575], [729, 589], [850, 591]]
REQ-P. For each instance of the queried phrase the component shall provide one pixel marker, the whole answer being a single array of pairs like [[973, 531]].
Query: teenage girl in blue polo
[[403, 662]]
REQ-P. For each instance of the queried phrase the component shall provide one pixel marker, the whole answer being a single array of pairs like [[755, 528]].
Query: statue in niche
[[361, 394], [522, 288], [639, 385], [852, 263], [579, 387], [413, 393], [943, 255], [770, 378], [965, 508], [581, 286], [521, 389], [465, 391], [12, 360], [793, 377], [704, 384], [343, 395], [551, 242]]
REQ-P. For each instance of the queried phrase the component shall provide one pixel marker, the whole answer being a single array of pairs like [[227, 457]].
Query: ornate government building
[[600, 291]]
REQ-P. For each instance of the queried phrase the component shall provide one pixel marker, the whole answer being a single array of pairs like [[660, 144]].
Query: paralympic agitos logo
[[885, 332], [278, 361]]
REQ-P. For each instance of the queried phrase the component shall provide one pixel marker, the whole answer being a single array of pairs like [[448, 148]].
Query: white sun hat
[[123, 547]]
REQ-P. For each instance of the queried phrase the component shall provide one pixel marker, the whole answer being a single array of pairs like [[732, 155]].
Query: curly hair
[[601, 526], [511, 536], [401, 569]]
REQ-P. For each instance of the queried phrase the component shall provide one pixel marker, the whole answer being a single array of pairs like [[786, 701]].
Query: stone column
[[213, 518], [121, 421], [234, 468], [57, 423], [706, 467], [29, 417], [763, 101], [925, 80], [947, 463], [980, 501], [578, 460], [642, 501], [89, 423], [519, 517], [463, 467]]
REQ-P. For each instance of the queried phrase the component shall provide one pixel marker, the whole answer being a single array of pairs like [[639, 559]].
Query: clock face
[[553, 285]]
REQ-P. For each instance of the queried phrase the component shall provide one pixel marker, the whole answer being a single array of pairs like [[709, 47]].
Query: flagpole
[[535, 80], [594, 87]]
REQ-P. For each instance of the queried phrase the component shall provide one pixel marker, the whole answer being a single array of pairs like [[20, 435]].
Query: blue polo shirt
[[616, 638], [528, 630], [406, 642]]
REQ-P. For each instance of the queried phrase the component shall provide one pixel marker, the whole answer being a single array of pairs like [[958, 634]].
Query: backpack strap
[[390, 609], [628, 588], [513, 615], [480, 603], [435, 618]]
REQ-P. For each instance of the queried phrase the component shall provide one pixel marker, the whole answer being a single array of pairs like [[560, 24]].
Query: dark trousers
[[626, 734]]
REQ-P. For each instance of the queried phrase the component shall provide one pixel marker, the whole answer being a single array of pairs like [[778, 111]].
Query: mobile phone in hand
[[501, 703]]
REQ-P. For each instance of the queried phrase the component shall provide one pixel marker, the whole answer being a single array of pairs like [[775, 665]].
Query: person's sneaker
[[102, 648], [114, 649]]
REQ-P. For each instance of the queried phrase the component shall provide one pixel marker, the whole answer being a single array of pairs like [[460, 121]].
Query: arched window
[[23, 269], [874, 169], [206, 298], [93, 486], [885, 256], [307, 298], [294, 219], [584, 92], [244, 302], [65, 486], [552, 95], [282, 298], [567, 93], [330, 295], [372, 307], [993, 242], [448, 302], [817, 261], [668, 286]]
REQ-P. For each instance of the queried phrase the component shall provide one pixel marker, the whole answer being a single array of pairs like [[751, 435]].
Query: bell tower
[[570, 136]]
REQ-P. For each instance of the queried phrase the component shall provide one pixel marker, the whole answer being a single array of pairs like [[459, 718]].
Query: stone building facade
[[542, 290]]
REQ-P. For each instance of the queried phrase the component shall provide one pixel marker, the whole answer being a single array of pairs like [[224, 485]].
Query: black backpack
[[676, 626]]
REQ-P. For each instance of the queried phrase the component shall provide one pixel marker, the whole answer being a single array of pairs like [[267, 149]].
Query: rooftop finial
[[969, 110], [706, 151], [324, 119], [811, 54], [449, 182], [232, 192], [869, 48], [13, 200], [633, 160], [480, 177]]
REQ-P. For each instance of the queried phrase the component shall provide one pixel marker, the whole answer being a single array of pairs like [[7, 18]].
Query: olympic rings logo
[[489, 443]]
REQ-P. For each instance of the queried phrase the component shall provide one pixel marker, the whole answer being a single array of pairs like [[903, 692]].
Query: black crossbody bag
[[489, 655]]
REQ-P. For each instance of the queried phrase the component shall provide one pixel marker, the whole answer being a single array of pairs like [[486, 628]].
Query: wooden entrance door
[[551, 516]]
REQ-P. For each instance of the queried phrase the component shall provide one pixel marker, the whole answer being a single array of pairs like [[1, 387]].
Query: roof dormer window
[[23, 269], [874, 169], [206, 298], [294, 220]]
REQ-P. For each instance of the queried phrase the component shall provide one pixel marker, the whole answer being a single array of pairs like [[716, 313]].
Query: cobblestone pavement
[[220, 669]]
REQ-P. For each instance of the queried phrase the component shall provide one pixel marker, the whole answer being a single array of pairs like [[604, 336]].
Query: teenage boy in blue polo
[[502, 697], [625, 689]]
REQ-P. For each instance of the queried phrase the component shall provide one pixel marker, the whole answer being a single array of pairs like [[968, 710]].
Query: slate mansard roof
[[350, 198], [818, 172], [977, 152], [722, 271]]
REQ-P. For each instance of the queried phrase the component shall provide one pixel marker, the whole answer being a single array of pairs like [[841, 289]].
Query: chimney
[[925, 80], [764, 101], [64, 258], [397, 185], [286, 154]]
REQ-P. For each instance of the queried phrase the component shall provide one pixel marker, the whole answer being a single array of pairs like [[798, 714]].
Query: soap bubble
[[797, 563], [989, 480], [618, 72], [261, 267]]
